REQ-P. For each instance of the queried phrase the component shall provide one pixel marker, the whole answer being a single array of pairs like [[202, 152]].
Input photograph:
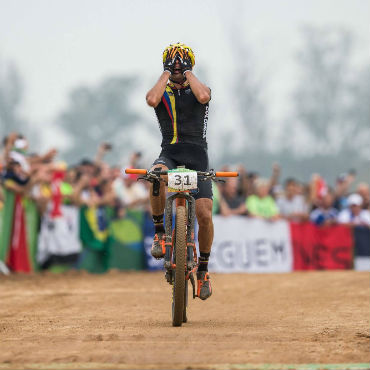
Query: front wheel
[[178, 300], [184, 315]]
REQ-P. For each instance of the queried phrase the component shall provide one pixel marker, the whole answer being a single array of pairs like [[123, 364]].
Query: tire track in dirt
[[124, 318]]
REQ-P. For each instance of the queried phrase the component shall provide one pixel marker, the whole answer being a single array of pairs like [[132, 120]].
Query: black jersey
[[181, 118]]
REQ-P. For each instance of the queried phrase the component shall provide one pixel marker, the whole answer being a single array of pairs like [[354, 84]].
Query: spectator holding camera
[[342, 185]]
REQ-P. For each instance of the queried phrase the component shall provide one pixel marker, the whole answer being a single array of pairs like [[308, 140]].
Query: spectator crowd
[[51, 184], [93, 182], [253, 196]]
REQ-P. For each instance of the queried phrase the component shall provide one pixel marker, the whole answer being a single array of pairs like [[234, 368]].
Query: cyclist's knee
[[204, 212], [204, 219]]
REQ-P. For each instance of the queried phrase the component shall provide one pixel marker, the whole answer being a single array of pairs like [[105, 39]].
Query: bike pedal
[[168, 277]]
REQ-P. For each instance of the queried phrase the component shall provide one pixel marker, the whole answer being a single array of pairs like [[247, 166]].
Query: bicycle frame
[[180, 237]]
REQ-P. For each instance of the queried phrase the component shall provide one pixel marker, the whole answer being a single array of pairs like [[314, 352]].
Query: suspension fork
[[182, 199], [191, 249]]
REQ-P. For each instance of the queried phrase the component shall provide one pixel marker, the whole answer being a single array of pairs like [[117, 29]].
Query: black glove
[[186, 63], [169, 63]]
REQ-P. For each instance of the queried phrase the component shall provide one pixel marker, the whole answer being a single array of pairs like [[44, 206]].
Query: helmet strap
[[179, 83]]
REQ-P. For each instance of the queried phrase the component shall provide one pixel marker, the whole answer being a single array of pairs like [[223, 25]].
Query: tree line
[[327, 128]]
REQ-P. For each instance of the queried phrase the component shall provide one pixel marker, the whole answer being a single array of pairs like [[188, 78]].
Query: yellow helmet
[[179, 48]]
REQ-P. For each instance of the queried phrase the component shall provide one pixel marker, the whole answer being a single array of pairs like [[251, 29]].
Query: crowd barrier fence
[[90, 238]]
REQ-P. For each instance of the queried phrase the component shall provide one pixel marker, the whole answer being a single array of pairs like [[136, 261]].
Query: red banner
[[18, 256], [321, 248]]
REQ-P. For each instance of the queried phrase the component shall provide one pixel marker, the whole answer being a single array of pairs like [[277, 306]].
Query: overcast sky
[[62, 43]]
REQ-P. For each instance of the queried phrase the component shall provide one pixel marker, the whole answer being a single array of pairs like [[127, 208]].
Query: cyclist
[[181, 104]]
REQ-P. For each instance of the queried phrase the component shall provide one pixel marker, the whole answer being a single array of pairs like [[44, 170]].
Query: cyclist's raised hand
[[185, 62], [169, 63]]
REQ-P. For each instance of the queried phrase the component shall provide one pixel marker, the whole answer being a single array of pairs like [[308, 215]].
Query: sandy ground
[[123, 320]]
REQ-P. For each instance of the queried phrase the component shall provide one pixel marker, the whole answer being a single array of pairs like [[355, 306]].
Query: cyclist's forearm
[[201, 91], [154, 96]]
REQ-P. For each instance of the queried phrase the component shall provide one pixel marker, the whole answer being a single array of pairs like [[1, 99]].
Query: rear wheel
[[178, 301]]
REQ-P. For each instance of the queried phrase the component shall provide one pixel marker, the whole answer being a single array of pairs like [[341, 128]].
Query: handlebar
[[136, 171], [210, 174], [227, 174]]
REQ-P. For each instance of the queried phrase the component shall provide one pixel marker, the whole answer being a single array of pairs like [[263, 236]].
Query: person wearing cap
[[354, 214]]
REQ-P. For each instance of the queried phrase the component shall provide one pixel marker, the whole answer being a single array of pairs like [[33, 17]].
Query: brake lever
[[151, 179], [146, 178], [203, 178], [218, 180]]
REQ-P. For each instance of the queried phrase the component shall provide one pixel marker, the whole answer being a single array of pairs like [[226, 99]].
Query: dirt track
[[122, 320]]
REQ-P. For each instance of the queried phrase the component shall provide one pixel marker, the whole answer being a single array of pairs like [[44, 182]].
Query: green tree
[[11, 94], [249, 130], [329, 126], [100, 114], [358, 113], [250, 101], [321, 97]]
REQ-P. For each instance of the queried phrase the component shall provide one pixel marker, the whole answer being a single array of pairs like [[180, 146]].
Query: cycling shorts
[[193, 157]]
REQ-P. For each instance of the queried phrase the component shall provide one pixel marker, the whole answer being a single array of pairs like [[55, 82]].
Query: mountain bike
[[180, 259]]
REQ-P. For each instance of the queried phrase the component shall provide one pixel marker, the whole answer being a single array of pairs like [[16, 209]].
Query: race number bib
[[182, 180]]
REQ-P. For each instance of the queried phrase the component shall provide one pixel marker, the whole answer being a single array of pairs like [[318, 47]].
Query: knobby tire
[[184, 316], [180, 260]]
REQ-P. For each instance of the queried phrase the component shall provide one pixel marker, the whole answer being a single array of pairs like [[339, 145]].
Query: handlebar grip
[[227, 174], [136, 171]]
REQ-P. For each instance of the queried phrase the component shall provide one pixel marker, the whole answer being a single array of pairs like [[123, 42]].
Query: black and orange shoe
[[158, 249], [204, 290]]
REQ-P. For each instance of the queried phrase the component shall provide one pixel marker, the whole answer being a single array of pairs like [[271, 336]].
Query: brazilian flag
[[127, 242], [18, 232], [111, 243], [94, 235]]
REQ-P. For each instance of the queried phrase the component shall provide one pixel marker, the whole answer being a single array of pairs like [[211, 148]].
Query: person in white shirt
[[292, 205], [354, 214], [130, 192]]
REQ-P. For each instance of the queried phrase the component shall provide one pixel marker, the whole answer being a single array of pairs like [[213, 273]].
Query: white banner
[[59, 236], [251, 245], [362, 263]]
